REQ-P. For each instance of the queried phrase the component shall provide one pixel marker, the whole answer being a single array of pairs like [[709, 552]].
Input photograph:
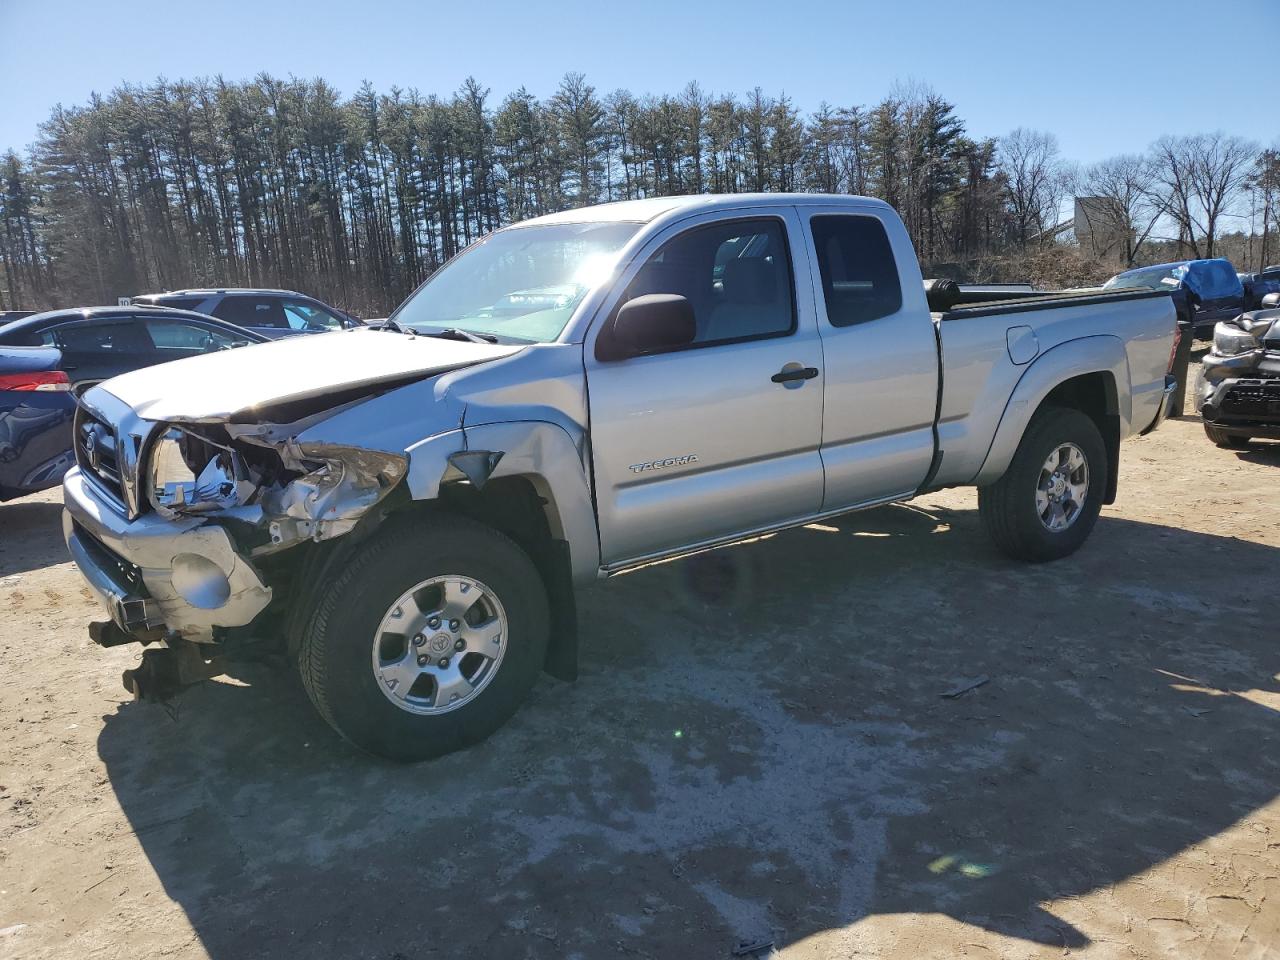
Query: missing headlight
[[192, 474]]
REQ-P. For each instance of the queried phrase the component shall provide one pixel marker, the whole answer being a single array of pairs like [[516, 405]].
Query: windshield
[[523, 283], [1166, 275]]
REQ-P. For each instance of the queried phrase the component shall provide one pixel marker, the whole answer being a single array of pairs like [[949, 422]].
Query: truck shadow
[[1262, 452], [24, 544], [776, 761]]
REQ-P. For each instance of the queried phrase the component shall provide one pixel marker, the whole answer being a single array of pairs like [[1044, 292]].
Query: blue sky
[[1105, 77]]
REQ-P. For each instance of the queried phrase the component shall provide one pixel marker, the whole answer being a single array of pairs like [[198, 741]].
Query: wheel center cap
[[1059, 486], [440, 643]]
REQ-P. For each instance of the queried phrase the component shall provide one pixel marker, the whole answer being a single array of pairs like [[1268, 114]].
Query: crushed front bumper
[[184, 577]]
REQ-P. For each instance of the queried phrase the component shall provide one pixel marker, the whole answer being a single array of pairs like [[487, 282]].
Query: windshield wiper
[[453, 333], [393, 326]]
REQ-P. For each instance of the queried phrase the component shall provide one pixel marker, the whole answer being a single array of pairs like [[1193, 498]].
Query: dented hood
[[222, 385]]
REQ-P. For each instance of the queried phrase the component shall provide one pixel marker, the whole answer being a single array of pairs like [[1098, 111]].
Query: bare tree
[[1035, 181], [1264, 181], [1199, 178], [1129, 209]]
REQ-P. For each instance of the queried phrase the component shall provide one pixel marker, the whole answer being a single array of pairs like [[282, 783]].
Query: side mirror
[[1271, 301], [653, 323]]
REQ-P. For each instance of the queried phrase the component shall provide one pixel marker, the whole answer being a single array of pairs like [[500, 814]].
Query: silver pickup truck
[[406, 510]]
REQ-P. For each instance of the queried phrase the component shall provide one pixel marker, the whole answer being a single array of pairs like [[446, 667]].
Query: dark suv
[[1203, 291], [1259, 285], [272, 313]]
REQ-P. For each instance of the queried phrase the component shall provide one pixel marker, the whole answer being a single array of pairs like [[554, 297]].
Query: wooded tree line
[[286, 183]]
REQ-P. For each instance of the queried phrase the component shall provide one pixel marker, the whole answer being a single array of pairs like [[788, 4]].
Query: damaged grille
[[98, 453], [1252, 398]]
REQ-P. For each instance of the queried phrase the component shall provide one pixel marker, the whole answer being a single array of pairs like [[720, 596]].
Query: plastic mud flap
[[1166, 400]]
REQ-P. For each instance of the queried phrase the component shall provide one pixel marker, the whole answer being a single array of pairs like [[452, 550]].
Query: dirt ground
[[779, 765]]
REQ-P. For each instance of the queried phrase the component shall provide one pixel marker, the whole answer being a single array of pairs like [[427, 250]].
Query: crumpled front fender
[[544, 454]]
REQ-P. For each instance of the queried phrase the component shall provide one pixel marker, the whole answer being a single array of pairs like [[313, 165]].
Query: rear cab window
[[860, 279]]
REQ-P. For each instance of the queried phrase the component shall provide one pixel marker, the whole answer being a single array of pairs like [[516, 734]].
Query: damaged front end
[[217, 522], [293, 491], [212, 494]]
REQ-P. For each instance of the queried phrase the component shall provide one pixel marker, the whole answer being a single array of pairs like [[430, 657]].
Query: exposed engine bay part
[[166, 671], [339, 487], [301, 491], [177, 489]]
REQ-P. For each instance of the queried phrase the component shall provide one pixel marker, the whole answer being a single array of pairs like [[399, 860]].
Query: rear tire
[[341, 651], [1011, 507], [1227, 441]]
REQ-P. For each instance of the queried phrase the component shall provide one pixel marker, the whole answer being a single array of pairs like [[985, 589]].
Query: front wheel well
[[515, 507], [1094, 394], [510, 505]]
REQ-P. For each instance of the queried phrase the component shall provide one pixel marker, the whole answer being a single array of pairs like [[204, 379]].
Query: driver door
[[718, 437]]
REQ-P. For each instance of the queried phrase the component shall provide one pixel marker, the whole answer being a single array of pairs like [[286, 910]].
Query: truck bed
[[986, 348]]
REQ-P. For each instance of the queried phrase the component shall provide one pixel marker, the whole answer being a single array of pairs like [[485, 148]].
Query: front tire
[[1045, 505], [428, 640]]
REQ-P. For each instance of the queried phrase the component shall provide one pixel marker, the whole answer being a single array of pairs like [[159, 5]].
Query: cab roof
[[650, 208]]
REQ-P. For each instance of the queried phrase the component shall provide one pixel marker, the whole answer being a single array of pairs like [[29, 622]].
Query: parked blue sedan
[[48, 358], [35, 420]]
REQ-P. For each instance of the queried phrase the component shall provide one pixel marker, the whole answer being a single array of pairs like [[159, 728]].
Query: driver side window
[[735, 275]]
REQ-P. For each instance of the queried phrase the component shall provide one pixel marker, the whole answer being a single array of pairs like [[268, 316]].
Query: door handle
[[796, 373]]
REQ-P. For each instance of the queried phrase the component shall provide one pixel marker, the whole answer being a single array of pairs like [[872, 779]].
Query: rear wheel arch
[[1095, 395], [1090, 374], [1046, 504]]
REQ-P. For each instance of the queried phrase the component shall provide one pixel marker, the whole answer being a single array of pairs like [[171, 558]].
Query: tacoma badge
[[660, 464]]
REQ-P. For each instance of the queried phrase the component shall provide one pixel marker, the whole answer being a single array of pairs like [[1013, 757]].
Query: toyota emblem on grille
[[91, 452]]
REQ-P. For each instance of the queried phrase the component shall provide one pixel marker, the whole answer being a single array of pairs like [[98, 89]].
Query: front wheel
[[428, 640], [1047, 502]]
